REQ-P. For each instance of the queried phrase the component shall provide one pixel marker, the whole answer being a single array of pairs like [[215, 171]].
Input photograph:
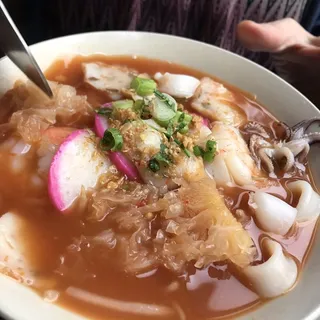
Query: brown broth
[[209, 293]]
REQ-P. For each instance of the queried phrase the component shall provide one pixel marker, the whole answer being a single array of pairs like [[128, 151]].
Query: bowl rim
[[178, 38]]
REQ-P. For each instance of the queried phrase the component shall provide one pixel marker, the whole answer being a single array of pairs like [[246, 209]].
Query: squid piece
[[14, 249], [215, 102], [177, 85], [104, 77], [295, 146], [276, 275], [308, 206], [272, 214], [233, 162]]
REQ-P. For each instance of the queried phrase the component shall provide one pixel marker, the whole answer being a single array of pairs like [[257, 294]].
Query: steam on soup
[[146, 189]]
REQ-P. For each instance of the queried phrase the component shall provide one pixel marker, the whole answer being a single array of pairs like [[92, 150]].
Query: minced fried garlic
[[124, 115]]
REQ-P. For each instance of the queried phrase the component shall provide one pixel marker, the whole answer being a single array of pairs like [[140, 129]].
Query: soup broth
[[75, 255]]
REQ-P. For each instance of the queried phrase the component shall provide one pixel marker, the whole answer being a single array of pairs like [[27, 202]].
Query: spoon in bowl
[[14, 46]]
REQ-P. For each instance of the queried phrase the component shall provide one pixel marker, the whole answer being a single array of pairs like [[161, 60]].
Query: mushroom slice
[[276, 275], [273, 214], [309, 201]]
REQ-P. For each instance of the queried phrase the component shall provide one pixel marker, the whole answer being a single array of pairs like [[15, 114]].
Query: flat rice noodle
[[137, 308]]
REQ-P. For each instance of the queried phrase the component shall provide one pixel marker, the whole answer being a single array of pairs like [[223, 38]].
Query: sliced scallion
[[122, 104], [104, 111], [187, 152], [184, 121], [187, 119], [138, 106], [211, 148], [161, 113], [177, 116], [166, 99], [154, 165], [162, 157], [143, 87], [208, 154], [198, 151], [183, 148], [112, 140]]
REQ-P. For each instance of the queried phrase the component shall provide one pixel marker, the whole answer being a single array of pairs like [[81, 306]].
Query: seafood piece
[[177, 85], [309, 201], [233, 162], [295, 146], [215, 102], [273, 214], [276, 275], [104, 77]]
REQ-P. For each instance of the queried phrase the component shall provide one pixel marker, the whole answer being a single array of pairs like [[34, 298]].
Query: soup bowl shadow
[[281, 99]]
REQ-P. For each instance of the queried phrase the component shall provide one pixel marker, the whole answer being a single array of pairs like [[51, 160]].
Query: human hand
[[296, 52]]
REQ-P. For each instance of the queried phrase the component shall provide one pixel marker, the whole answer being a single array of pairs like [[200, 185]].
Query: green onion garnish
[[161, 157], [112, 140], [161, 112], [211, 148], [154, 165], [143, 87], [185, 118], [184, 121], [180, 123], [122, 104], [104, 111], [208, 154], [138, 106], [198, 151], [183, 148], [142, 109], [170, 129], [187, 152], [168, 100], [177, 116]]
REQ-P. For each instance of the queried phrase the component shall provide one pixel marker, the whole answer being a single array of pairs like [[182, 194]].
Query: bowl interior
[[281, 99]]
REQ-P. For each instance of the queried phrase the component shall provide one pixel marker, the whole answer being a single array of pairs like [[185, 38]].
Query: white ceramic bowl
[[287, 104]]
